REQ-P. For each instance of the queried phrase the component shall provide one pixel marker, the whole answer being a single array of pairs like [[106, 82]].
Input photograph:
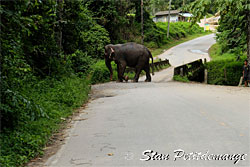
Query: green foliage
[[216, 53], [224, 72], [81, 61], [224, 69], [100, 73], [41, 39], [44, 38], [157, 37], [233, 72], [233, 23], [181, 78], [94, 40], [114, 16], [42, 32], [44, 46], [16, 108], [58, 98]]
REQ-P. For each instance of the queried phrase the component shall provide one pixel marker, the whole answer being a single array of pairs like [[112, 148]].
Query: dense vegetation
[[177, 30], [233, 38], [225, 68], [51, 51], [46, 49], [181, 78], [234, 24]]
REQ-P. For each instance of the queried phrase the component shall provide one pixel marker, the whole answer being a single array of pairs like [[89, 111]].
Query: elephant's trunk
[[108, 64]]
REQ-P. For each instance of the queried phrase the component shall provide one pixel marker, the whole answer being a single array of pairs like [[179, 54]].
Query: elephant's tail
[[152, 64]]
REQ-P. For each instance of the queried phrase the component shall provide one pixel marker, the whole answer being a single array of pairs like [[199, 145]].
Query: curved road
[[125, 119], [189, 51]]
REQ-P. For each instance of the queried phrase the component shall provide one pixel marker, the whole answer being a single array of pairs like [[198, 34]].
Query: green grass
[[180, 78], [216, 54], [58, 98], [157, 51]]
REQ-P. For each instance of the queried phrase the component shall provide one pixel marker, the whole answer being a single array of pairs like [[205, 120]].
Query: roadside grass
[[58, 98], [215, 53], [156, 51], [181, 78]]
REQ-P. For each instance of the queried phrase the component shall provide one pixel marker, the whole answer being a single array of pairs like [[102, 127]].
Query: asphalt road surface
[[187, 124], [189, 51]]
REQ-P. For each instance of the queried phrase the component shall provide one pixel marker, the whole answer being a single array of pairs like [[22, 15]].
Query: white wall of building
[[173, 18]]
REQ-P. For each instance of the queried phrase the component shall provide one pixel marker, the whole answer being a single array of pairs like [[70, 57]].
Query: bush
[[224, 69], [94, 40], [156, 35], [100, 72], [180, 78], [81, 61], [233, 73], [58, 98], [224, 72]]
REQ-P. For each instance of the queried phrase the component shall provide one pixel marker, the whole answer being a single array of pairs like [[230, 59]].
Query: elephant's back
[[133, 48], [132, 53]]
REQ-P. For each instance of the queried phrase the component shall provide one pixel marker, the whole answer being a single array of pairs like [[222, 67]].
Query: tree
[[112, 15], [40, 39], [234, 29]]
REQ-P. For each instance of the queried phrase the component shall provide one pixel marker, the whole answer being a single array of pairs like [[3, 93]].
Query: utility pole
[[169, 17], [142, 35]]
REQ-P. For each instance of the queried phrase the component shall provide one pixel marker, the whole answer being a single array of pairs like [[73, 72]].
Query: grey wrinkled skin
[[131, 55]]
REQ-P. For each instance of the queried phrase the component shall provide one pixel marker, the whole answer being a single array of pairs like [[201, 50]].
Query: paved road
[[189, 51], [125, 119], [184, 53]]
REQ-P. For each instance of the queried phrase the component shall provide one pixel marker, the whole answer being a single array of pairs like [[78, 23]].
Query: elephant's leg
[[121, 66], [118, 73], [138, 69], [134, 80], [137, 74], [147, 70], [142, 64]]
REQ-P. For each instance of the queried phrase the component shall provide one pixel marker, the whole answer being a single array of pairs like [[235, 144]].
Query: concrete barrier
[[194, 71]]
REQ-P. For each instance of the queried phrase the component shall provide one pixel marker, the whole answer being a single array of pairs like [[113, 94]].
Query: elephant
[[129, 54]]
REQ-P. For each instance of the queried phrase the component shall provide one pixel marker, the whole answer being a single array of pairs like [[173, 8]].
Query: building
[[175, 16]]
